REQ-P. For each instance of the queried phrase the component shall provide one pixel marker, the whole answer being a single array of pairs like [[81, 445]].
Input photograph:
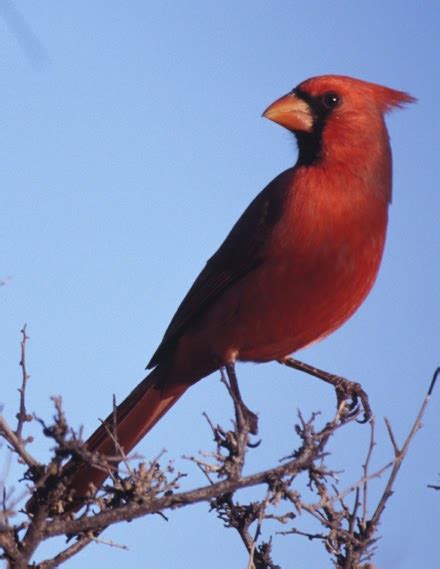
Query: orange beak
[[291, 112]]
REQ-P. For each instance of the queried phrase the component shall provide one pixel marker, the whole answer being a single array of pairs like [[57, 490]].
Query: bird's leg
[[250, 418], [345, 389]]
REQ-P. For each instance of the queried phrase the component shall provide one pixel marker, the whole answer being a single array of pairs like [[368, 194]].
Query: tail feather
[[135, 416]]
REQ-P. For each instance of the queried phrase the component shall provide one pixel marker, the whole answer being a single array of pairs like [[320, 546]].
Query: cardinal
[[297, 264]]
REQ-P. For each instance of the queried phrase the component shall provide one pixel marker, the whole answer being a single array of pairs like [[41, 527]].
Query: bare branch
[[365, 468], [67, 553], [401, 455], [149, 488], [22, 415], [16, 444]]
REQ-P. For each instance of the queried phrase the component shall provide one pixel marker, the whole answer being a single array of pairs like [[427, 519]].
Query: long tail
[[135, 416]]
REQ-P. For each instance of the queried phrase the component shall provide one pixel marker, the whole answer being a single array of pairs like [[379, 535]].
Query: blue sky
[[129, 146]]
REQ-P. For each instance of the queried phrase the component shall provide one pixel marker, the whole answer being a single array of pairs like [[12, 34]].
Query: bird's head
[[331, 115]]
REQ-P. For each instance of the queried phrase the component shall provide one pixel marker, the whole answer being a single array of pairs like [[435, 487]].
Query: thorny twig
[[352, 543], [22, 415], [400, 453], [150, 488], [15, 438], [8, 434], [365, 468]]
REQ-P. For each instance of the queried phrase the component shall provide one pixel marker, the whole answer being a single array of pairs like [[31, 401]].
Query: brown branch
[[179, 500], [8, 543], [365, 468], [16, 444], [82, 542], [22, 415], [352, 548], [14, 438], [33, 535], [400, 454], [347, 534]]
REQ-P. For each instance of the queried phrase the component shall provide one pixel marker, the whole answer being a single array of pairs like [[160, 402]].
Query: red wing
[[240, 253]]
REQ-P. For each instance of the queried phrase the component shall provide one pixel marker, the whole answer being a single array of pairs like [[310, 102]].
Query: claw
[[350, 391], [364, 420]]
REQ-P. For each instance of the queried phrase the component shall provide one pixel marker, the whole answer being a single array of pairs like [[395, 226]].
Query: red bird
[[296, 265]]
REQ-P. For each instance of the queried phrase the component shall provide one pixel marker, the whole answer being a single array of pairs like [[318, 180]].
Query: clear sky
[[129, 146]]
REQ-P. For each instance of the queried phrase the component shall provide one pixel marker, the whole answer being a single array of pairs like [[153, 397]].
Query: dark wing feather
[[239, 254]]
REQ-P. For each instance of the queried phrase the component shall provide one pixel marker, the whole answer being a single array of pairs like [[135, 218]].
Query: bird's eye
[[330, 100]]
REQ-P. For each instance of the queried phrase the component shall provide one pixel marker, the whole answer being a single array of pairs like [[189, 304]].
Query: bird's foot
[[351, 398], [244, 415]]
